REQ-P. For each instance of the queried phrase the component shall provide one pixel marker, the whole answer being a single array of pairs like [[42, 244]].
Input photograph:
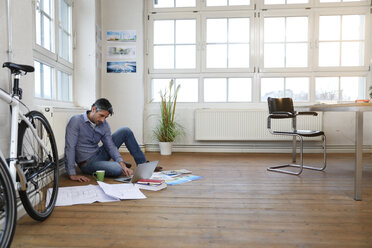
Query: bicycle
[[32, 166]]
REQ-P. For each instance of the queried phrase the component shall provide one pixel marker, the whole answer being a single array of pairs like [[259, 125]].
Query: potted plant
[[167, 129]]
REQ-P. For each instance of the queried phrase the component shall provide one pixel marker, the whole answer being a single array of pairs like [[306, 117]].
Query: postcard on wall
[[121, 52], [122, 67], [122, 36]]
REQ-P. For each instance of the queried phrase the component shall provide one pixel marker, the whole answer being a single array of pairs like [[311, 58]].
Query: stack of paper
[[151, 184]]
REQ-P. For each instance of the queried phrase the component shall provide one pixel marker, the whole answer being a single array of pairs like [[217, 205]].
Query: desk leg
[[358, 155], [294, 149]]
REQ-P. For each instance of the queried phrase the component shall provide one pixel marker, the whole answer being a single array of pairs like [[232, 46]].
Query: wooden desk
[[359, 109]]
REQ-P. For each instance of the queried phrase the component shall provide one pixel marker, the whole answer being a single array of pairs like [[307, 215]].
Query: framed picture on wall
[[122, 36], [122, 67]]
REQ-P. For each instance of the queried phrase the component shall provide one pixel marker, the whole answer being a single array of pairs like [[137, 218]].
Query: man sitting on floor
[[85, 131]]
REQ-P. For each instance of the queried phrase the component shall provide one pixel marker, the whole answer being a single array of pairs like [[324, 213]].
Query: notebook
[[143, 171]]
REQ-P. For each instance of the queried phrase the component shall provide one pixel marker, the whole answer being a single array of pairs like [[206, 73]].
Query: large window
[[243, 51], [53, 49]]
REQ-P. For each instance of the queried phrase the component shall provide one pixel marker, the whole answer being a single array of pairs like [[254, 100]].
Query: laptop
[[143, 171]]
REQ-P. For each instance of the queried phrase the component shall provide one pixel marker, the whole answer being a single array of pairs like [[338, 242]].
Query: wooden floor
[[237, 204]]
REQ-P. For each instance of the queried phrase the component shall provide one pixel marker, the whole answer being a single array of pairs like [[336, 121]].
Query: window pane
[[329, 27], [185, 31], [188, 91], [271, 87], [238, 56], [352, 54], [338, 1], [164, 32], [326, 88], [216, 2], [164, 57], [274, 29], [296, 55], [274, 1], [215, 90], [297, 29], [64, 45], [64, 86], [216, 56], [185, 3], [159, 85], [273, 55], [64, 15], [240, 90], [285, 1], [47, 81], [352, 88], [37, 79], [216, 30], [329, 54], [239, 30], [239, 2], [185, 57], [38, 27], [46, 34], [45, 5], [297, 1], [164, 4], [353, 27], [297, 88]]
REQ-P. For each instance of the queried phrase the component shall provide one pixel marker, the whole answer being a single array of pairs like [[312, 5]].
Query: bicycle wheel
[[8, 209], [39, 167]]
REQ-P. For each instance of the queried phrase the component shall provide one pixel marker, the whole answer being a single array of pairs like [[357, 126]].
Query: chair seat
[[305, 133]]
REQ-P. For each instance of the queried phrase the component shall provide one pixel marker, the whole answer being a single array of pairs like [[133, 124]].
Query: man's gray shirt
[[82, 141]]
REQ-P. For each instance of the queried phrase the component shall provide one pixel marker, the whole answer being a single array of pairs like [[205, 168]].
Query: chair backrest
[[280, 105]]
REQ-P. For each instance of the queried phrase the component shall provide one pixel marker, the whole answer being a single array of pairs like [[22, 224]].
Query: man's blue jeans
[[100, 161]]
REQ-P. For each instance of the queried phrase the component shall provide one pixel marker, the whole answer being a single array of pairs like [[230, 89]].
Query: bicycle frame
[[17, 116]]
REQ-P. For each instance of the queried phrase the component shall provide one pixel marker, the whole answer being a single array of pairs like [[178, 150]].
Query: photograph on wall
[[122, 67], [121, 52], [122, 36]]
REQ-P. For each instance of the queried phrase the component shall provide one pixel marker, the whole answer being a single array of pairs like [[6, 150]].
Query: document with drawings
[[68, 196]]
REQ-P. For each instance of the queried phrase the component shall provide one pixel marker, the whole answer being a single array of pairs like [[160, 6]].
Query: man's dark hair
[[103, 104]]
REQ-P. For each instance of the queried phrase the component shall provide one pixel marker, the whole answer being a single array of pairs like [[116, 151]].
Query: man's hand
[[79, 178], [126, 171]]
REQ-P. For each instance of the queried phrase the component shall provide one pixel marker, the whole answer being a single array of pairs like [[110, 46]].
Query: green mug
[[99, 175]]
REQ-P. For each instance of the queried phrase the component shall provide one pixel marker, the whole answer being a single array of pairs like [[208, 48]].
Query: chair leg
[[300, 165], [277, 168], [324, 157]]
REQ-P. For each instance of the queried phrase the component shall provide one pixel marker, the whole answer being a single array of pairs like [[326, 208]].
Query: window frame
[[228, 15], [310, 42], [367, 49], [162, 16], [53, 59]]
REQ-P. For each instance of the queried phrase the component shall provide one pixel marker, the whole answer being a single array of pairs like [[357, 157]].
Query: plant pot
[[165, 148]]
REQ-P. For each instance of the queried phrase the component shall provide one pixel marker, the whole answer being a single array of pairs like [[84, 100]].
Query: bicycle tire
[[8, 207], [40, 169]]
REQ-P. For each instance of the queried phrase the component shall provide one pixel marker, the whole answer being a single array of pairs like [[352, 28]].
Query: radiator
[[245, 125], [58, 118]]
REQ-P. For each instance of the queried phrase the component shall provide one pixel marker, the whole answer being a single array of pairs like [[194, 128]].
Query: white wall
[[124, 90], [86, 83], [22, 53]]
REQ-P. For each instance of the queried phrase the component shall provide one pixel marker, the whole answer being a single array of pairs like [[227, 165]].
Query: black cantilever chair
[[282, 108]]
